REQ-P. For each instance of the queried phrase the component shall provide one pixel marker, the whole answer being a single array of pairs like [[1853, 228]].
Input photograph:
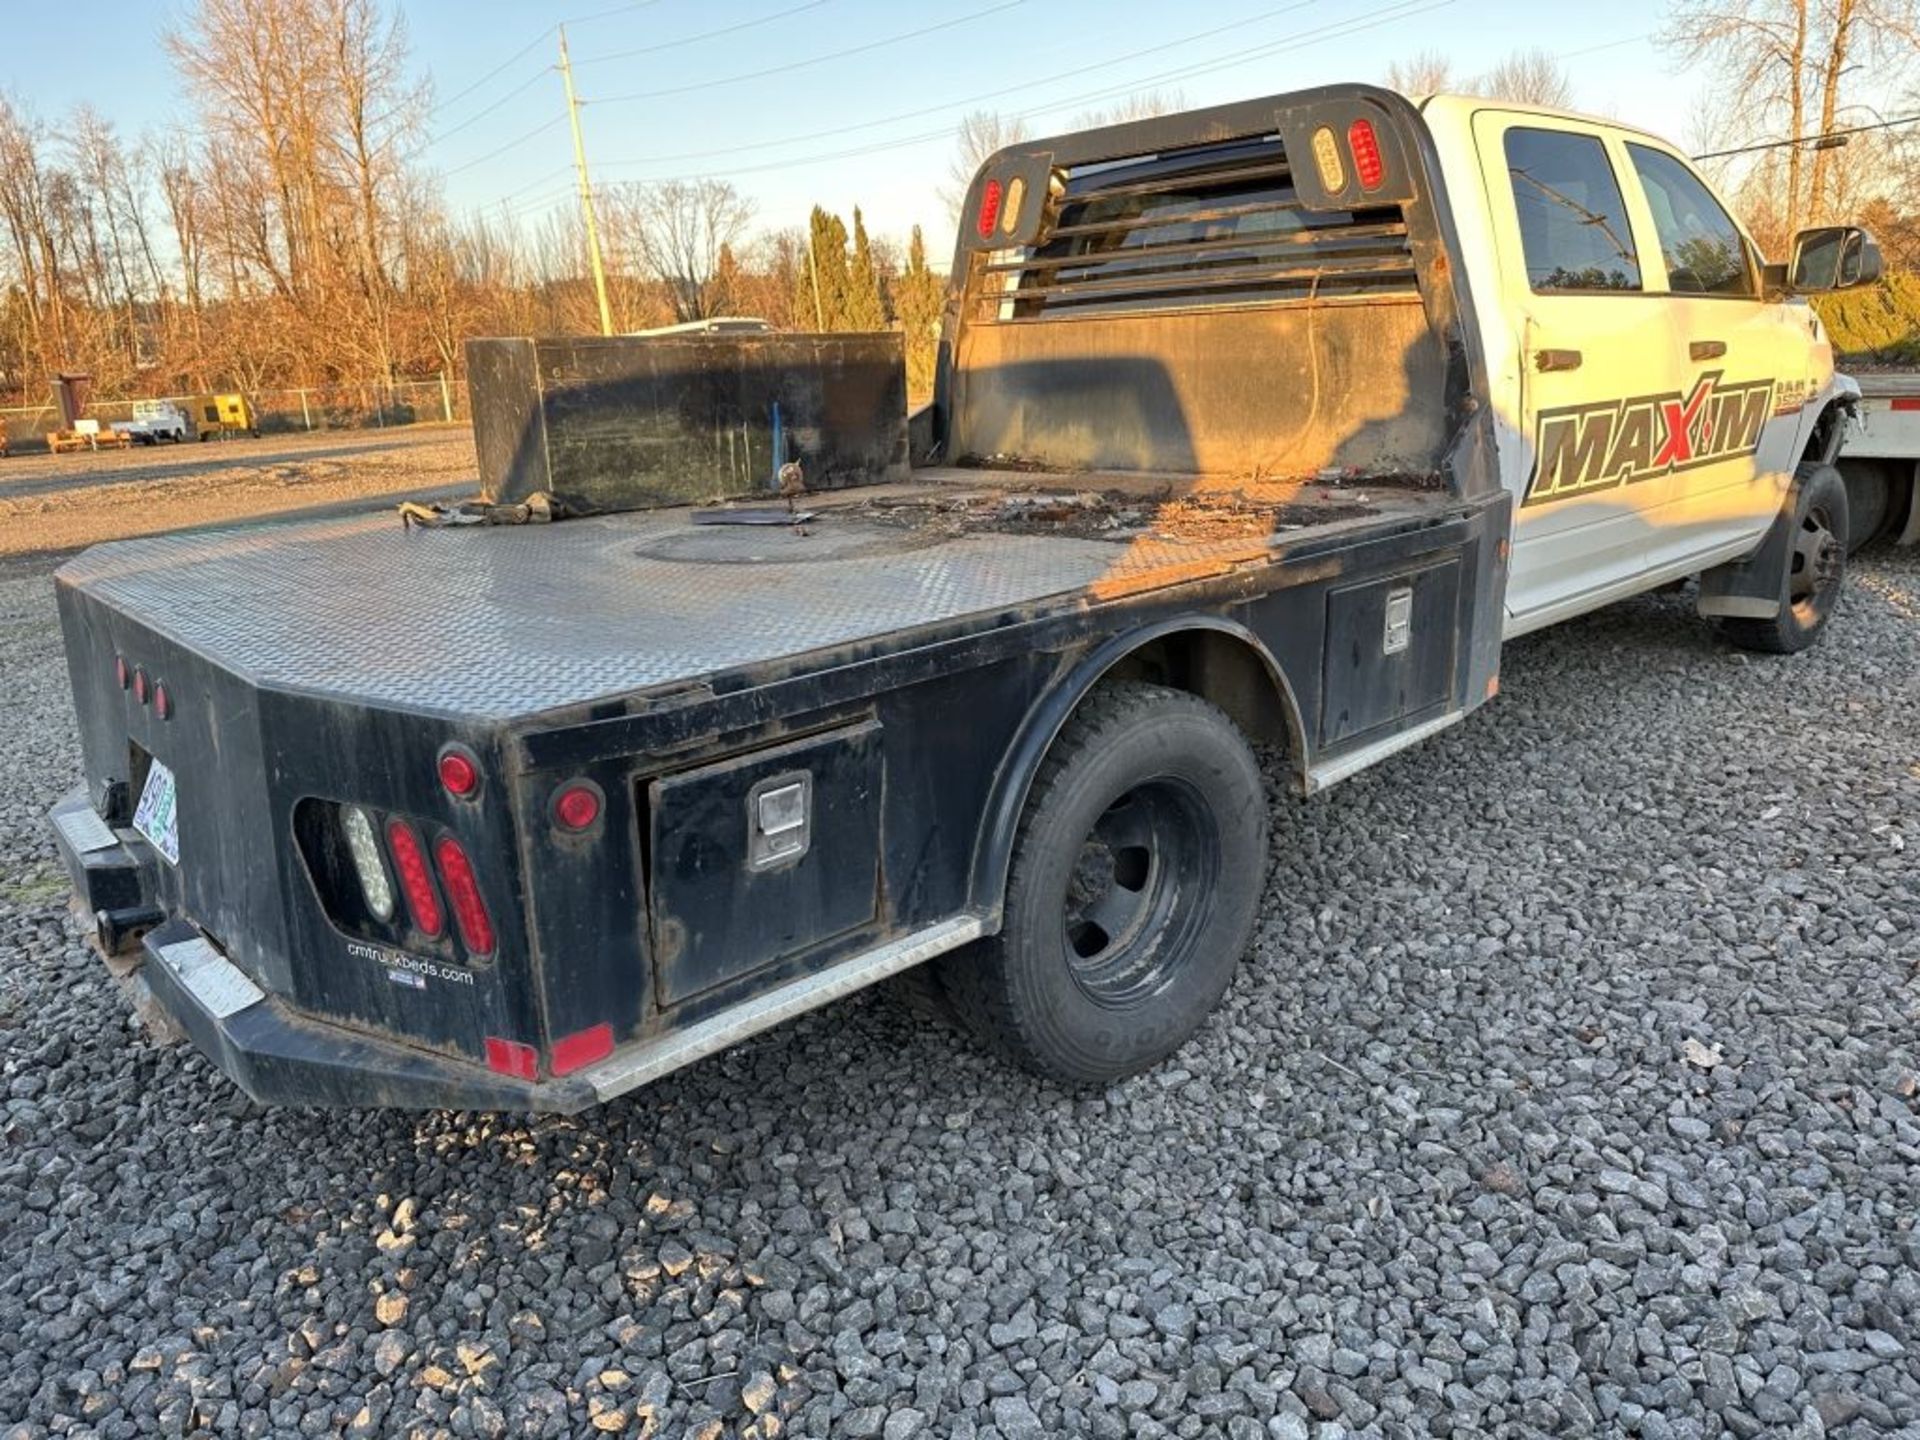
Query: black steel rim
[[1818, 554], [1140, 892]]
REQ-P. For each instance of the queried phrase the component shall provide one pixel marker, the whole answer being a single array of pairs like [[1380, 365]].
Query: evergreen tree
[[865, 309], [920, 295], [725, 291], [821, 298]]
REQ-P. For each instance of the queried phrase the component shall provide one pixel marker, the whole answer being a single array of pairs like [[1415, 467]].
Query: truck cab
[[1656, 389]]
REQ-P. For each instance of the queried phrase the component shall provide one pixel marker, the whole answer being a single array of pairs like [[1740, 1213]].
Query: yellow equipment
[[224, 415]]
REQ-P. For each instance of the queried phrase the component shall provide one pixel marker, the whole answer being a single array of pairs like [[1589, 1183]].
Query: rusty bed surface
[[499, 622]]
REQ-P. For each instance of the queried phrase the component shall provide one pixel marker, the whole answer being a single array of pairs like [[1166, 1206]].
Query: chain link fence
[[373, 405]]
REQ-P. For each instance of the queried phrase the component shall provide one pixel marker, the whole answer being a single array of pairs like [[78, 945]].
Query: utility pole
[[586, 191], [813, 273]]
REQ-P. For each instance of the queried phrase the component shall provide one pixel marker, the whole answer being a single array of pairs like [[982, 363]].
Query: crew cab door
[[1731, 433], [1592, 339]]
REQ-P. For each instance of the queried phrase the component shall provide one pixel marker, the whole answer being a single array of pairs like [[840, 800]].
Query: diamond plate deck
[[503, 622]]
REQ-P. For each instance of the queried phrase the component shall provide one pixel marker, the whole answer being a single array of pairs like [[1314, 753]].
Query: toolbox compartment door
[[1391, 651], [759, 858]]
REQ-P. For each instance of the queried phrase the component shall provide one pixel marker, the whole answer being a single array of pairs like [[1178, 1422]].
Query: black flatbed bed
[[497, 623]]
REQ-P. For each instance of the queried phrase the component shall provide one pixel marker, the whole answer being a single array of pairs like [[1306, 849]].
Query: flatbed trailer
[[1252, 426], [1880, 458]]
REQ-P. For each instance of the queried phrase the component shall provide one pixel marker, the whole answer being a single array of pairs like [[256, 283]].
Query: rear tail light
[[582, 1048], [120, 671], [1365, 146], [162, 701], [989, 208], [140, 686], [367, 864], [463, 895], [511, 1057], [416, 881]]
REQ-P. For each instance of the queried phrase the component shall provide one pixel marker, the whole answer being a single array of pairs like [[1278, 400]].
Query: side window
[[1704, 251], [1573, 221]]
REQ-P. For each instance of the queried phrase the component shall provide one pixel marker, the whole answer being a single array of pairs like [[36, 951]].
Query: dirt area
[[64, 502], [1190, 513]]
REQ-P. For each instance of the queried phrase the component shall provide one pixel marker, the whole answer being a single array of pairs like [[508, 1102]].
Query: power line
[[491, 110], [1405, 9], [1366, 20], [793, 65], [946, 105], [1607, 45], [1809, 139], [542, 128], [703, 35], [512, 59]]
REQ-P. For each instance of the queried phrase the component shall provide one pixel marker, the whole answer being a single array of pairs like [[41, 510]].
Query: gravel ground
[[1570, 1089]]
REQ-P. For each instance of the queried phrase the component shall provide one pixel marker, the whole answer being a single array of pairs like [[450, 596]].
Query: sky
[[849, 102]]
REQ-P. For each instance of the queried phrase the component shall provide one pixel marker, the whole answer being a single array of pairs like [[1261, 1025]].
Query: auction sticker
[[158, 817]]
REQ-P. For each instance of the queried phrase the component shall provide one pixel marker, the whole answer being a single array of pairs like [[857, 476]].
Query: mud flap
[[1750, 588]]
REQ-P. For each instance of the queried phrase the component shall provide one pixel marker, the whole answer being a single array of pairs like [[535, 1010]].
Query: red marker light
[[510, 1057], [459, 774], [582, 1048], [162, 701], [1365, 146], [140, 686], [416, 882], [989, 208], [121, 672], [577, 806], [463, 893]]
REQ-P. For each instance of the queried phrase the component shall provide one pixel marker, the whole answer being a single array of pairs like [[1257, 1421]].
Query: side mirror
[[1832, 257]]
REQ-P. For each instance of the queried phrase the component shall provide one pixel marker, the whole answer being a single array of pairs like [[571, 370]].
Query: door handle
[[1556, 359], [1707, 349]]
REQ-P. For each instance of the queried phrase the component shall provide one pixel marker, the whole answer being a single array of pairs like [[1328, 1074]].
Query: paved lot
[[62, 502], [1570, 1089]]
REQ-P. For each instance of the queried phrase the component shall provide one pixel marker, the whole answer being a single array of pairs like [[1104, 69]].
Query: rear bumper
[[275, 1054]]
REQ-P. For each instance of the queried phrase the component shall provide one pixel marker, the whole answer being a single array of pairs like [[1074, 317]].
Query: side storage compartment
[[759, 858], [1391, 646]]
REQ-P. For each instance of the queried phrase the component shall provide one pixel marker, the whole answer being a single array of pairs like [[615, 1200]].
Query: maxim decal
[[1583, 448]]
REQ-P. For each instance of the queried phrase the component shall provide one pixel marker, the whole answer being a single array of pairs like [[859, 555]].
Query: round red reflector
[[989, 208], [162, 701], [121, 672], [140, 686], [459, 774], [577, 805]]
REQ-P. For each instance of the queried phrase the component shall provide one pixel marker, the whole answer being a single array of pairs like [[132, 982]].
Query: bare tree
[[1528, 77], [1426, 72], [1142, 105], [1793, 63], [980, 134], [676, 230], [1756, 49]]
